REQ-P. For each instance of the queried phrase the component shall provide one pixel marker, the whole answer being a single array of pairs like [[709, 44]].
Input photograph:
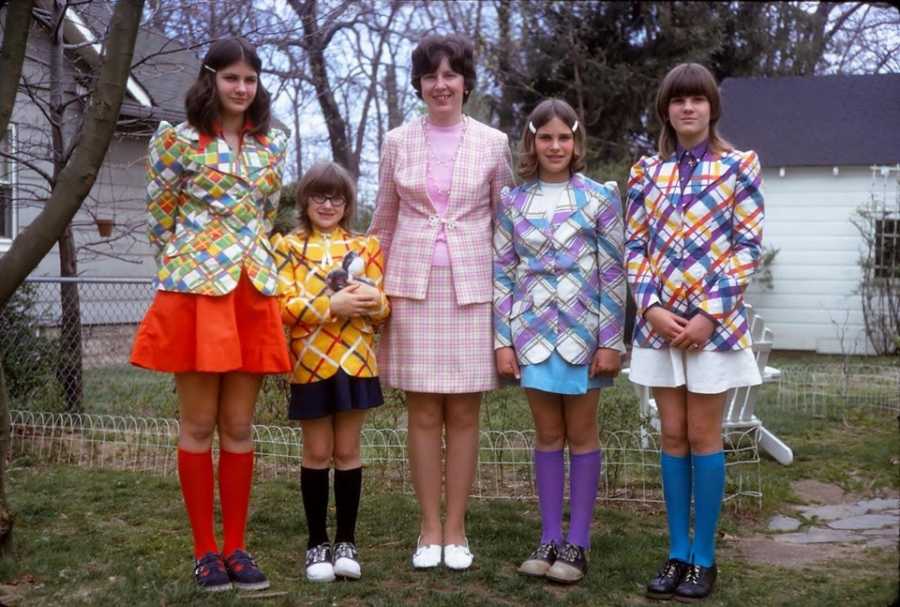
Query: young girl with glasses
[[331, 301]]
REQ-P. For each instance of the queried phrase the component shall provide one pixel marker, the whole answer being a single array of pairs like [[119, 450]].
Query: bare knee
[[235, 431], [346, 456], [426, 419], [549, 437], [674, 440], [583, 438], [317, 453], [197, 433], [704, 439], [463, 420]]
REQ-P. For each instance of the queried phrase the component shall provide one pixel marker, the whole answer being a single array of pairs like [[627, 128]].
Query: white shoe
[[318, 564], [346, 561], [458, 556], [426, 556]]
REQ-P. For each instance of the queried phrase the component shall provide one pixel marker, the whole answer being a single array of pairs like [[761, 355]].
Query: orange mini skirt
[[239, 331]]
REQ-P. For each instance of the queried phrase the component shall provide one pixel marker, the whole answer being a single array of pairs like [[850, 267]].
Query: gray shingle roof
[[814, 120]]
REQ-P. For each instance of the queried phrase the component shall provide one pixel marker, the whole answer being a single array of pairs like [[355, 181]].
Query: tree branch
[[78, 176]]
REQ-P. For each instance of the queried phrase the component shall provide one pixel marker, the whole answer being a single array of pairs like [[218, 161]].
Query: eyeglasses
[[336, 201]]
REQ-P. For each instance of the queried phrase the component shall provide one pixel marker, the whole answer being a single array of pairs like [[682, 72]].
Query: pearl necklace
[[433, 157]]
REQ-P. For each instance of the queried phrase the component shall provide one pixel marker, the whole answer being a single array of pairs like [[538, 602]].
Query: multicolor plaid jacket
[[210, 213], [407, 224], [694, 252], [320, 343], [561, 285]]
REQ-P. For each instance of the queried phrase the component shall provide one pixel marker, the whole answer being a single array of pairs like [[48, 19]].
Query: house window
[[887, 247], [7, 185]]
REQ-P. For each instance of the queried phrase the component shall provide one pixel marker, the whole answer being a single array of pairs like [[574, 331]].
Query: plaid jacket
[[209, 213], [561, 285], [407, 224], [695, 252], [320, 343]]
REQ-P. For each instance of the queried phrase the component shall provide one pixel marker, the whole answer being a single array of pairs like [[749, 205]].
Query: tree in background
[[75, 178]]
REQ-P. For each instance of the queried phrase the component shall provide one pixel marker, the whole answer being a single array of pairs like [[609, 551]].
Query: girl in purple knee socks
[[559, 305]]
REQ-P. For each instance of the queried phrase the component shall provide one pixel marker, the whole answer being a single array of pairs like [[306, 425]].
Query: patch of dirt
[[765, 550], [818, 492]]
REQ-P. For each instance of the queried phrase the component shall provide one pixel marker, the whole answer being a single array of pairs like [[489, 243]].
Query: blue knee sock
[[709, 488], [676, 476]]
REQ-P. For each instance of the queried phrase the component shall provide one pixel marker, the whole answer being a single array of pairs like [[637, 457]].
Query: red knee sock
[[195, 471], [235, 481]]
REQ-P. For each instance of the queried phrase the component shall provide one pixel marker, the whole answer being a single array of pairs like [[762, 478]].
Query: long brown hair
[[326, 179], [202, 100], [685, 80], [547, 110]]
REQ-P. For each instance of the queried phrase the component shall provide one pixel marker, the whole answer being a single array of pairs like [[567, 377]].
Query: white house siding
[[813, 303]]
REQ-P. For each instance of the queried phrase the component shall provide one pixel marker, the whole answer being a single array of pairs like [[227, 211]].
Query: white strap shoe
[[458, 556], [426, 556]]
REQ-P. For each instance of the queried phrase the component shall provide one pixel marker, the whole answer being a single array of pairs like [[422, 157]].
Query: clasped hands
[[679, 331], [356, 299], [606, 362]]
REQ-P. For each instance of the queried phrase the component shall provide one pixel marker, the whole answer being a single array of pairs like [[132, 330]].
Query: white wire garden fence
[[76, 400]]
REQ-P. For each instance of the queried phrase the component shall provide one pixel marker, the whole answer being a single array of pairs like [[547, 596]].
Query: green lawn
[[90, 537]]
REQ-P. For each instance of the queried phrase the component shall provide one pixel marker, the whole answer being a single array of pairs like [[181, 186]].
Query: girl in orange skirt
[[212, 187]]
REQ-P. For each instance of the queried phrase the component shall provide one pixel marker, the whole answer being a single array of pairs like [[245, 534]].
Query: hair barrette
[[575, 126], [531, 128], [208, 69]]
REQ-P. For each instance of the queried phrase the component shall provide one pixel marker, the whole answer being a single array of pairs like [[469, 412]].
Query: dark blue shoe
[[210, 574], [244, 572]]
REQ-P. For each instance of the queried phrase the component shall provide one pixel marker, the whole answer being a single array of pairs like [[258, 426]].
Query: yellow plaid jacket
[[209, 213], [321, 343]]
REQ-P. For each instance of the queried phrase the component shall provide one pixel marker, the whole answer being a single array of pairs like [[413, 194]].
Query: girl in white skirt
[[559, 313], [693, 239]]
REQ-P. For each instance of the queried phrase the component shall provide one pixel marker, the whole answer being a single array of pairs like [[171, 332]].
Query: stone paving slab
[[818, 536], [866, 521], [833, 511], [783, 523]]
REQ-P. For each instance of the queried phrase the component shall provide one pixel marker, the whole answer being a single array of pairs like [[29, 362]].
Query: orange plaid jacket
[[320, 342]]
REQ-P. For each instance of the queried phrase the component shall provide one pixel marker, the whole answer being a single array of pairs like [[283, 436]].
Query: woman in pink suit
[[440, 179]]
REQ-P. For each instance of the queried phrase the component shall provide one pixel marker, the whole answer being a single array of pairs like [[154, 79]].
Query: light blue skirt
[[558, 376]]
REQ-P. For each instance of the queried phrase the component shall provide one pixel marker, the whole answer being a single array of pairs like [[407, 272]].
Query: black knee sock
[[347, 486], [314, 489]]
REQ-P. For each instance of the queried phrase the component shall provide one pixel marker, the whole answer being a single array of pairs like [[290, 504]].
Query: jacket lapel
[[466, 158], [417, 150], [524, 203]]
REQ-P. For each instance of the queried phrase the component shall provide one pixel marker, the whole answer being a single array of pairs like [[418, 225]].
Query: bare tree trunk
[[315, 42], [504, 68], [392, 97], [68, 366], [298, 139], [6, 517], [12, 55]]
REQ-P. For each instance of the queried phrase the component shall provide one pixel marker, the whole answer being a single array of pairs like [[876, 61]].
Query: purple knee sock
[[549, 474], [584, 474]]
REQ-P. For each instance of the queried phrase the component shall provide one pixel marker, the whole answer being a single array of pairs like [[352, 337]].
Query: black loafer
[[697, 584], [667, 579]]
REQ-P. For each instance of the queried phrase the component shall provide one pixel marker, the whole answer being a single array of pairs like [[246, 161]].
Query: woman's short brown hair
[[326, 179], [685, 80], [547, 110], [460, 54], [202, 99]]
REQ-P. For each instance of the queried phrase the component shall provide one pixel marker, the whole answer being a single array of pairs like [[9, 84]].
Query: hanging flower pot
[[104, 227]]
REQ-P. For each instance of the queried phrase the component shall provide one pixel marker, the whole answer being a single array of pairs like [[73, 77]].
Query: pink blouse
[[443, 142]]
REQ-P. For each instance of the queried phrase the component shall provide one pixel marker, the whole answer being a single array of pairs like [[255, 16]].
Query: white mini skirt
[[703, 372]]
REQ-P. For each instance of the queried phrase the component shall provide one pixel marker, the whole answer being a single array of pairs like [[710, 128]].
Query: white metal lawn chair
[[740, 403]]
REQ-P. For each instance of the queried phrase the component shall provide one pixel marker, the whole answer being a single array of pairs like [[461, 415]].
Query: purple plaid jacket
[[694, 249], [407, 224], [560, 285]]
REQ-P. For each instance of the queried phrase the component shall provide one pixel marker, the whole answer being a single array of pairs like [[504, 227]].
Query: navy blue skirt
[[340, 392]]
